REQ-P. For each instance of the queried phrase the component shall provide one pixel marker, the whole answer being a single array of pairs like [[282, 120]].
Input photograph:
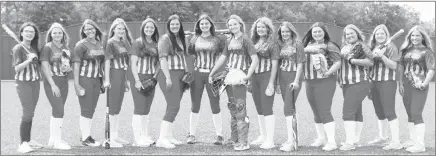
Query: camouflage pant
[[240, 123]]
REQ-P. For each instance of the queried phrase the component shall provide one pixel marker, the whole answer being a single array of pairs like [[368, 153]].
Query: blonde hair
[[65, 39], [116, 22], [269, 25], [426, 41], [294, 34], [239, 19], [372, 40], [359, 33]]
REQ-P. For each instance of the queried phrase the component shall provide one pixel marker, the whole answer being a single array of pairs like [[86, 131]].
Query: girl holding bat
[[384, 85], [55, 59], [417, 67], [171, 50], [88, 57], [291, 68], [118, 45], [206, 46], [144, 64], [27, 76], [241, 65], [323, 60], [356, 58], [263, 80]]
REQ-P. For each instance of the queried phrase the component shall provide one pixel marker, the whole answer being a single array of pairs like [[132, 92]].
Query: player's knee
[[58, 114], [195, 109], [417, 118], [87, 114], [27, 117], [267, 112], [216, 109], [327, 118], [391, 116]]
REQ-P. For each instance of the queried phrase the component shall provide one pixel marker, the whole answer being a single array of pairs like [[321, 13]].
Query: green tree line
[[365, 15]]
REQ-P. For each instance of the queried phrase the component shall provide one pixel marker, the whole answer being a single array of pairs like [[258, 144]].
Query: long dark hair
[[181, 33], [197, 29], [155, 36], [98, 32], [309, 38], [35, 41]]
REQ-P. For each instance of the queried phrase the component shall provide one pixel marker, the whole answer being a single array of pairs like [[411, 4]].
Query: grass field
[[11, 114]]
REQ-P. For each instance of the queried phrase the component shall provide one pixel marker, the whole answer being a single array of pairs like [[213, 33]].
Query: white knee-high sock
[[113, 126], [85, 127], [193, 120], [51, 131], [136, 126], [330, 131], [359, 126], [412, 133], [289, 128], [262, 128], [145, 126], [57, 128], [270, 123], [218, 123], [350, 131], [395, 130], [320, 131], [382, 128], [164, 126], [420, 134]]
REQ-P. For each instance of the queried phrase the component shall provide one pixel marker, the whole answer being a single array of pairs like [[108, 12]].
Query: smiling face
[[261, 29], [149, 29], [234, 26], [285, 32], [380, 36], [416, 38], [89, 31], [28, 33], [119, 30], [351, 36], [175, 26], [205, 25], [57, 34], [318, 34]]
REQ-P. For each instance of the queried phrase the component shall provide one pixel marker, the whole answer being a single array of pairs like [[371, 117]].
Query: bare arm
[[428, 77], [253, 65], [273, 76], [134, 65], [164, 66], [107, 70], [362, 62], [22, 65], [299, 72], [218, 64], [335, 67], [46, 71]]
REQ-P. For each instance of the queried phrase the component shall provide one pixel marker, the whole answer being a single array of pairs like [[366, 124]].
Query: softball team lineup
[[248, 60]]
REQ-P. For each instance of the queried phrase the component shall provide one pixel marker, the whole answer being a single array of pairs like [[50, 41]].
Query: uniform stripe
[[351, 74], [288, 65], [176, 61], [147, 65], [380, 72]]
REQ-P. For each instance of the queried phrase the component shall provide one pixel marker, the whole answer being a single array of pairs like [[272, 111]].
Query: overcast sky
[[426, 9]]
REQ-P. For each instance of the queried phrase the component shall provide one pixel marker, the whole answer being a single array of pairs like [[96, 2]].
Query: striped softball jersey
[[239, 52], [91, 57], [207, 51], [147, 56], [31, 72], [291, 55], [350, 73], [117, 53], [380, 72], [175, 57], [54, 55], [418, 60], [332, 55], [266, 51]]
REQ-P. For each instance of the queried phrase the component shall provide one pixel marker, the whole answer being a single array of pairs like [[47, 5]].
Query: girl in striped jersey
[[291, 68], [27, 76], [320, 85], [383, 87], [55, 59], [88, 57], [263, 79], [417, 59], [144, 65], [206, 47], [240, 51], [171, 49], [354, 80], [116, 63]]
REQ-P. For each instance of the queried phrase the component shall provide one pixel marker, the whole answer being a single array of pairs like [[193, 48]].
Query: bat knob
[[107, 145]]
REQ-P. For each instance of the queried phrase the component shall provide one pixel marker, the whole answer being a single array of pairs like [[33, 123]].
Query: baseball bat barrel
[[294, 123]]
